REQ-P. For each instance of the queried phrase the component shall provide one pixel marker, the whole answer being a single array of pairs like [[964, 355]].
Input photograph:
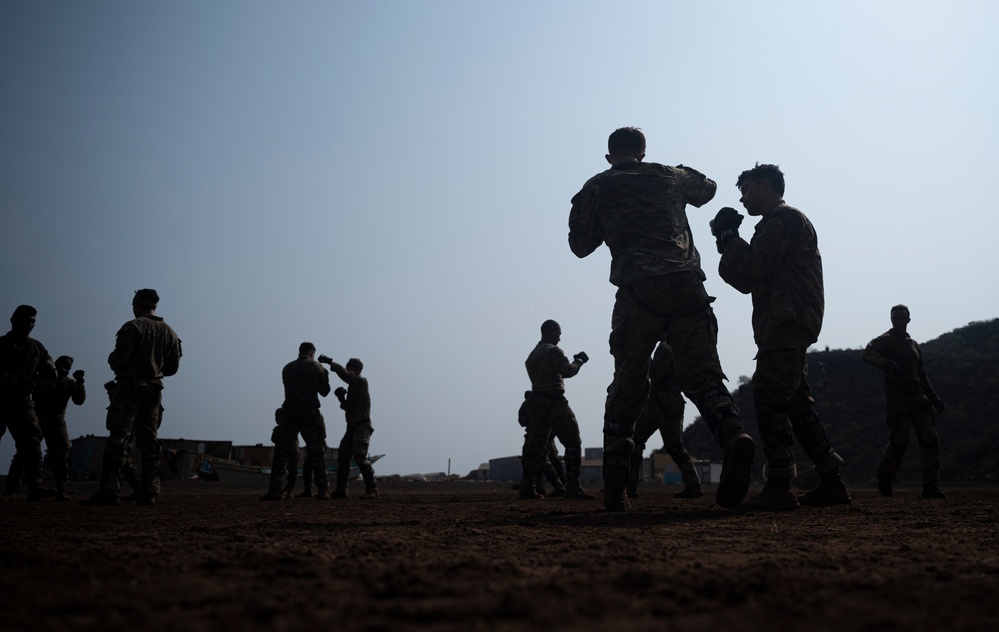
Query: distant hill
[[963, 367]]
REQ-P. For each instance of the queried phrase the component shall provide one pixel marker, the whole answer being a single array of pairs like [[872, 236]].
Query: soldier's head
[[306, 350], [355, 366], [551, 332], [899, 317], [22, 321], [145, 301], [762, 187], [625, 143], [64, 364]]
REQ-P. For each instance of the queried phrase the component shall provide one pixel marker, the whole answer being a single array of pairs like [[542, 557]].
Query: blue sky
[[391, 180]]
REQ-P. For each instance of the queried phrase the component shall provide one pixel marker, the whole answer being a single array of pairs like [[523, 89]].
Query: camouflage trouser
[[548, 416], [285, 459], [310, 424], [918, 414], [677, 305], [663, 412], [354, 445], [134, 415], [18, 415], [57, 446], [783, 405]]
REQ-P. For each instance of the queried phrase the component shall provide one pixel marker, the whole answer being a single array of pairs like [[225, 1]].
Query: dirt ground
[[471, 556]]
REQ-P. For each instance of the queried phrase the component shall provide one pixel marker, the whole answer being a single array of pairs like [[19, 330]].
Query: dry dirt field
[[471, 556]]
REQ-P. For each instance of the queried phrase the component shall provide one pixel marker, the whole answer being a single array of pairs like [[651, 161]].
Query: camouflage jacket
[[145, 348], [304, 381], [357, 405], [52, 396], [547, 365], [639, 210], [782, 268], [20, 360], [899, 347]]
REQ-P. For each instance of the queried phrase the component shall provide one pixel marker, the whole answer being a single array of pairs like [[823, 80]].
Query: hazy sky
[[391, 180]]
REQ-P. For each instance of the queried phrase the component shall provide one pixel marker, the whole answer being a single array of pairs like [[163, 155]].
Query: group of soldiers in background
[[639, 210], [35, 391], [305, 381]]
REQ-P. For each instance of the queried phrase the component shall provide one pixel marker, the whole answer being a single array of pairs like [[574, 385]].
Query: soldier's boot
[[528, 491], [340, 491], [615, 484], [691, 484], [148, 500], [884, 483], [776, 496], [61, 494], [306, 493], [634, 474], [36, 492], [831, 490], [737, 465], [132, 478], [930, 490], [323, 493], [370, 486], [275, 486], [558, 492], [149, 486], [539, 485], [575, 491], [272, 494], [104, 496], [370, 493]]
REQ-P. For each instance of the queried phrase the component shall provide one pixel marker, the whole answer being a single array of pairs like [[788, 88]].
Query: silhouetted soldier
[[549, 413], [305, 380], [910, 401], [782, 268], [21, 359], [664, 412], [51, 395], [146, 350], [552, 470], [355, 400], [639, 210]]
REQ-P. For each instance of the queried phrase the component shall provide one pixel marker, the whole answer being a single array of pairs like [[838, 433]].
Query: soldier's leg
[[291, 466], [14, 475], [313, 429], [343, 463], [645, 427], [57, 439], [811, 433], [279, 463], [120, 425], [360, 442], [27, 434], [533, 453], [923, 423], [898, 421], [553, 469], [634, 334], [147, 424], [671, 431], [566, 428], [694, 341]]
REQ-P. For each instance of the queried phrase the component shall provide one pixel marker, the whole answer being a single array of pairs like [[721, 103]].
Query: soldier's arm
[[731, 275], [171, 363], [324, 381], [758, 259], [584, 230], [79, 392], [562, 364], [698, 189], [872, 355], [924, 381], [123, 344]]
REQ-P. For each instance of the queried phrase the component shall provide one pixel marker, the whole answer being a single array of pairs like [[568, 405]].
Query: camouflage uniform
[[663, 412], [146, 350], [20, 360], [356, 439], [51, 399], [548, 413], [909, 399], [782, 268], [638, 210], [284, 461], [304, 381]]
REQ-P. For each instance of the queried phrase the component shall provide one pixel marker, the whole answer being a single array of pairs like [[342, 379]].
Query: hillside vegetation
[[963, 367]]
